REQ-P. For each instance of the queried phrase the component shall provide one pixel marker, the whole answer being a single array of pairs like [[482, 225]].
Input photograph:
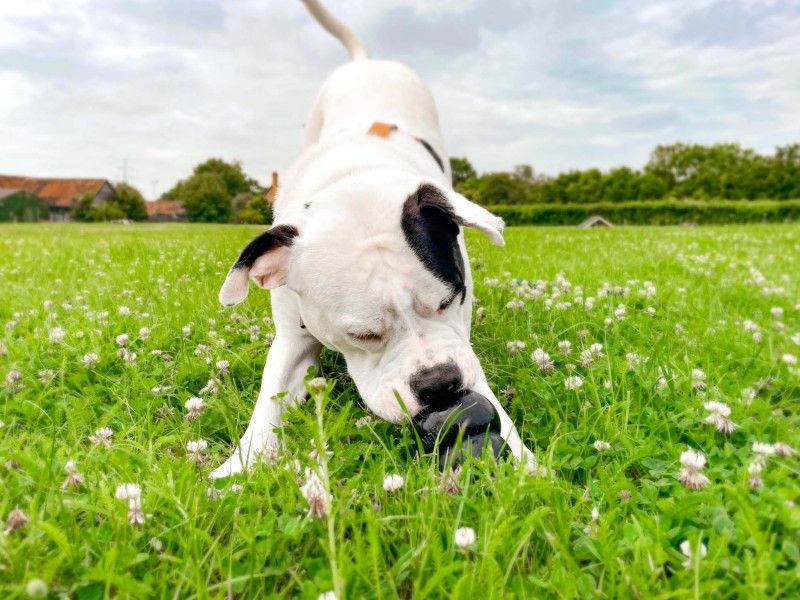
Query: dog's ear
[[265, 259], [463, 211]]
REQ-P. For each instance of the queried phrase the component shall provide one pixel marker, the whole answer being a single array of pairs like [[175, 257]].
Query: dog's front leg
[[288, 361], [507, 429]]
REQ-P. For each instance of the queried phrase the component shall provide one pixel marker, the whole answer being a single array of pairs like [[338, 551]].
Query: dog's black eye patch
[[431, 229]]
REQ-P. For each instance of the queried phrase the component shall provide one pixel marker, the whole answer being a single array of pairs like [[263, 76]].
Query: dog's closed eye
[[366, 336]]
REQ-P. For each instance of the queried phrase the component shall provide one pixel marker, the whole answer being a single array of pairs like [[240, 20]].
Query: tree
[[524, 172], [84, 208], [236, 182], [462, 170], [256, 211], [206, 198], [108, 211], [497, 188], [130, 202]]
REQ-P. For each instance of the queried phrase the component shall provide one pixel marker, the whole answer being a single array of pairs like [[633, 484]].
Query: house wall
[[104, 194]]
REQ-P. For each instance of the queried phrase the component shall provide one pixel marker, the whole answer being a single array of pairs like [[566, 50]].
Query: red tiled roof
[[60, 193], [164, 207]]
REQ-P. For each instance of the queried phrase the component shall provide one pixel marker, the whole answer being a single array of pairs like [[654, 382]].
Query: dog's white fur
[[351, 270]]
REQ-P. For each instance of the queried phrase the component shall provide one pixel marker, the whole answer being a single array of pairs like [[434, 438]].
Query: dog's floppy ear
[[464, 211], [265, 259]]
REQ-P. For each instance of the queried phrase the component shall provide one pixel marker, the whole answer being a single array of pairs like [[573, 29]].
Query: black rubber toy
[[469, 414]]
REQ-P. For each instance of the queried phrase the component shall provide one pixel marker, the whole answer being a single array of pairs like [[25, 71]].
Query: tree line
[[221, 192], [675, 171], [215, 192]]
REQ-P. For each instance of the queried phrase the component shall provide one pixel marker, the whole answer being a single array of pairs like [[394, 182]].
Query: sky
[[149, 88]]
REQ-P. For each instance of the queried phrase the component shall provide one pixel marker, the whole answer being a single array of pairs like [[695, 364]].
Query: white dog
[[366, 256]]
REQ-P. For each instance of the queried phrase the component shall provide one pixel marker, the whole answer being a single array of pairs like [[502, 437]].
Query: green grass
[[532, 535]]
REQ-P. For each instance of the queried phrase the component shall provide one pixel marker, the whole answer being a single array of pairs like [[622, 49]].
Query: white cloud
[[166, 84]]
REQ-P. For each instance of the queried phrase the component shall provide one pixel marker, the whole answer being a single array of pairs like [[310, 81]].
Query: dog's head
[[378, 274]]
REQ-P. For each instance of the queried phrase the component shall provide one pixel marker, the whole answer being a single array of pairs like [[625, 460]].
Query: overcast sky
[[87, 85]]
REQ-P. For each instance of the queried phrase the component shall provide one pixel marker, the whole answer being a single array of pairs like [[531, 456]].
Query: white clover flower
[[796, 338], [131, 493], [128, 491], [89, 360], [393, 482], [314, 492], [776, 311], [601, 445], [515, 346], [195, 449], [633, 360], [102, 437], [212, 387], [564, 347], [573, 382], [223, 366], [16, 519], [688, 552], [46, 375], [748, 395], [619, 312], [515, 305], [48, 305], [789, 359], [37, 588], [144, 333], [330, 595], [691, 475], [754, 470], [127, 355], [186, 330], [57, 335], [73, 479], [763, 449], [783, 449], [124, 310], [718, 417], [194, 407], [750, 326], [692, 459], [122, 340], [542, 360], [464, 537], [480, 314], [650, 310], [698, 379]]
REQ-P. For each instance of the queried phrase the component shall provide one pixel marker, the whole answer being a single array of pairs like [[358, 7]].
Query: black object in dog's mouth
[[461, 429]]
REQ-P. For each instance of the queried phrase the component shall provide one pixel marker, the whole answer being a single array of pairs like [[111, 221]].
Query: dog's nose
[[438, 386]]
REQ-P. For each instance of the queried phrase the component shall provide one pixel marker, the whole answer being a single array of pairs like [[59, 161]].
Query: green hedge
[[653, 213]]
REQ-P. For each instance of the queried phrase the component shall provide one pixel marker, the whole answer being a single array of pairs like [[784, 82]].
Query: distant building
[[165, 211], [60, 194], [18, 205], [595, 221]]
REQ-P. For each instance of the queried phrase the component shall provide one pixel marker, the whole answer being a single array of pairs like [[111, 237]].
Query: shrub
[[665, 212]]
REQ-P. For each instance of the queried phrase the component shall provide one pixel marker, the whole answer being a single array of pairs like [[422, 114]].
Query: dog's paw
[[232, 466]]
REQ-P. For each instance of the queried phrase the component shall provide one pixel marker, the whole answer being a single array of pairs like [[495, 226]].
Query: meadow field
[[652, 370]]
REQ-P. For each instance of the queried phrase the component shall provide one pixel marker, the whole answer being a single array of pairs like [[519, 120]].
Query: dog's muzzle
[[458, 423]]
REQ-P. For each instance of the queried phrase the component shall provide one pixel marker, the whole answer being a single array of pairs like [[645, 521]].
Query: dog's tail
[[337, 29]]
